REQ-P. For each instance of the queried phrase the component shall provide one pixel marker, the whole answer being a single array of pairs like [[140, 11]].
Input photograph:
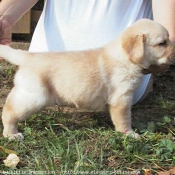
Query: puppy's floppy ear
[[134, 46]]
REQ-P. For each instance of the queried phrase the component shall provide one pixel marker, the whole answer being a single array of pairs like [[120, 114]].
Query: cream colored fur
[[94, 79]]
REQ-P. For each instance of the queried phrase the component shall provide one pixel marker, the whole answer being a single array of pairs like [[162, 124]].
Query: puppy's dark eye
[[163, 43]]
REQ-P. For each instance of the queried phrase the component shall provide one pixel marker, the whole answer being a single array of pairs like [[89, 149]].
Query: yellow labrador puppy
[[92, 79]]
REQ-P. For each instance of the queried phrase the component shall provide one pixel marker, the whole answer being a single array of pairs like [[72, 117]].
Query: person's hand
[[5, 31]]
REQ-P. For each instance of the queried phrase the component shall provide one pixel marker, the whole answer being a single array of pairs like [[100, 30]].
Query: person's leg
[[149, 89]]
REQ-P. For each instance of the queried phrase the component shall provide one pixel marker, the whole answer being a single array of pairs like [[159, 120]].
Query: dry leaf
[[8, 151], [147, 172], [82, 163], [170, 172], [11, 161]]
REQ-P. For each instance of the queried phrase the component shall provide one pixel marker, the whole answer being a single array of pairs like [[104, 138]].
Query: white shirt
[[67, 25]]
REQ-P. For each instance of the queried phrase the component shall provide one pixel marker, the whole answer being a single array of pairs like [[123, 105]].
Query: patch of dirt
[[160, 102], [20, 45]]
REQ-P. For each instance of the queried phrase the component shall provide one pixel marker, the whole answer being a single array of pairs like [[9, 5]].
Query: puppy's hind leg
[[19, 105]]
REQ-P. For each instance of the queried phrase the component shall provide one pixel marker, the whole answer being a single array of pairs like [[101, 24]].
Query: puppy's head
[[147, 44]]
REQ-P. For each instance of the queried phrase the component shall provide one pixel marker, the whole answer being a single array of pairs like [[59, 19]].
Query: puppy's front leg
[[121, 117]]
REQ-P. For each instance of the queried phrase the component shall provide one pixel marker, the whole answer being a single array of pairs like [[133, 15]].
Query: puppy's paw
[[133, 134], [18, 136]]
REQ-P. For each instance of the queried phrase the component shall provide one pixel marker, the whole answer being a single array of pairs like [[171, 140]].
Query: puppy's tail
[[13, 56]]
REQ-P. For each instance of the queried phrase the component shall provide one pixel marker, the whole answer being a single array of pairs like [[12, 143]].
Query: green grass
[[58, 142]]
